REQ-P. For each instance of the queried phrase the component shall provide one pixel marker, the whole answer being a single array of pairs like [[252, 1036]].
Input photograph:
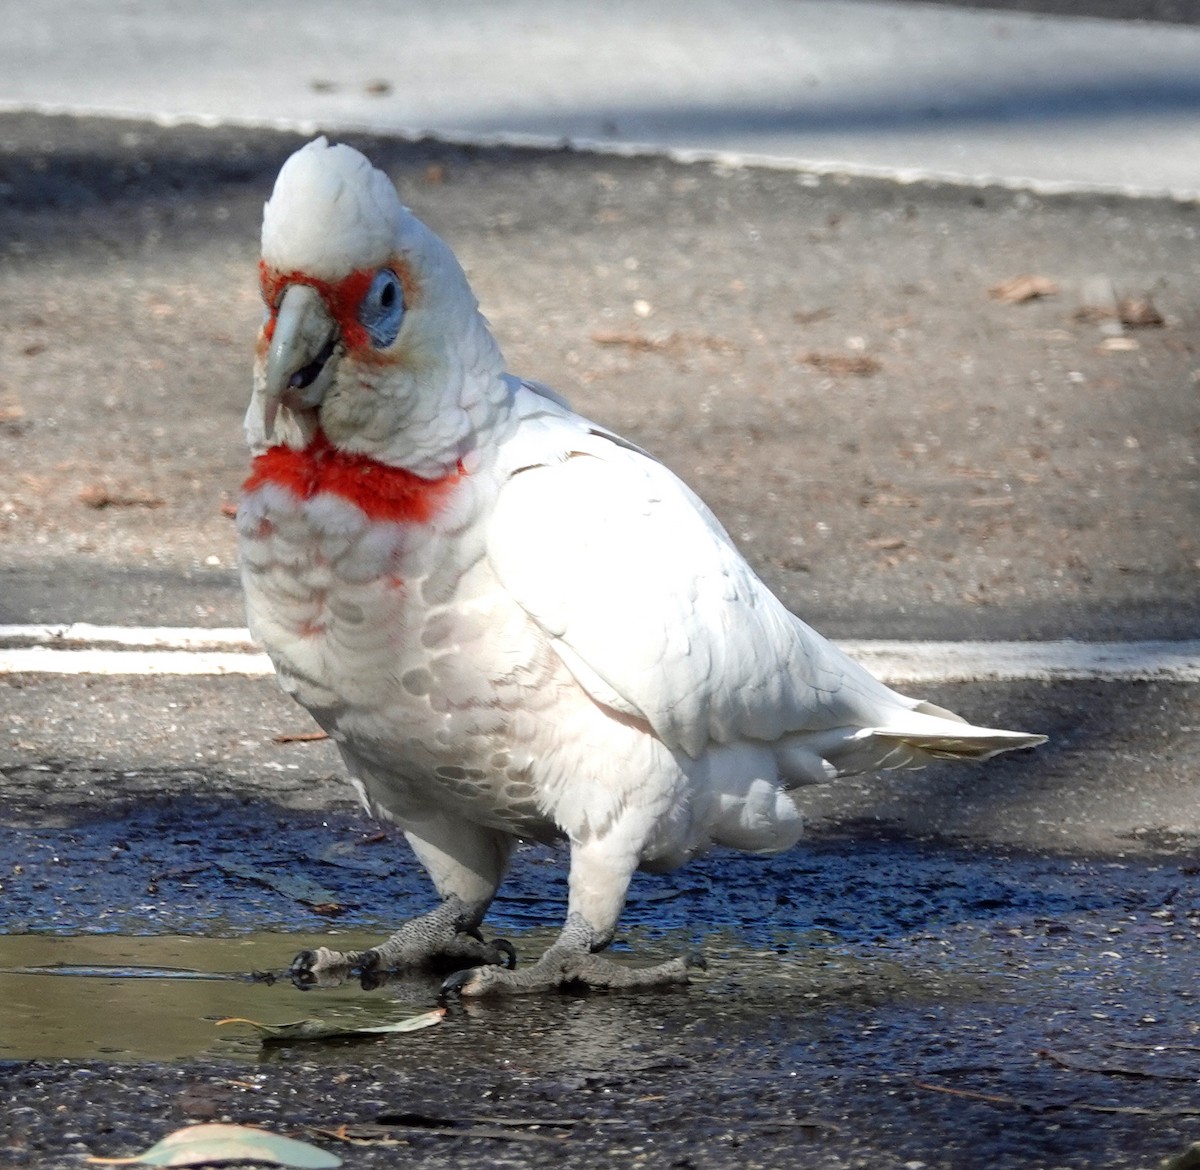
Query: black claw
[[508, 951], [301, 970], [370, 970], [453, 984], [303, 962]]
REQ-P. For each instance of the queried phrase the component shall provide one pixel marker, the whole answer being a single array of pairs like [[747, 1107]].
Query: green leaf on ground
[[1188, 1160], [202, 1145], [313, 1029]]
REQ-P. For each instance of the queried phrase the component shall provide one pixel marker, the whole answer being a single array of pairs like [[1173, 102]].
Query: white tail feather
[[911, 740]]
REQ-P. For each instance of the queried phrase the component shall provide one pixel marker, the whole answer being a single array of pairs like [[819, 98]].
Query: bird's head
[[372, 335]]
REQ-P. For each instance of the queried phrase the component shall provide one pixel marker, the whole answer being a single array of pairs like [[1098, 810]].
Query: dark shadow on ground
[[1176, 96], [1166, 11], [191, 866]]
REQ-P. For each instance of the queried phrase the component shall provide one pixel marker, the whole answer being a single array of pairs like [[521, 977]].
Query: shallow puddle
[[127, 936], [160, 997]]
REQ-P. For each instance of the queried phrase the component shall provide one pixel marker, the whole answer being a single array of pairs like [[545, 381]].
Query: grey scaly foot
[[570, 962], [445, 938]]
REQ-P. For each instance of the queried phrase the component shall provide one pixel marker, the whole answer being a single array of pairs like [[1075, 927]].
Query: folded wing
[[657, 615]]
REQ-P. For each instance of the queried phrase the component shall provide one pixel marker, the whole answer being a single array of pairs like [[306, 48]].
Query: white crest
[[330, 213]]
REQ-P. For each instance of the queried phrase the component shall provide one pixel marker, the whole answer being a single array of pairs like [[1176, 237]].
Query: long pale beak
[[300, 360]]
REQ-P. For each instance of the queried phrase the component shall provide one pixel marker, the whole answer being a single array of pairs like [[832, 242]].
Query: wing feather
[[652, 607]]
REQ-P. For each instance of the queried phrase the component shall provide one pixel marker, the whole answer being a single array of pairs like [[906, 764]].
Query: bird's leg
[[598, 883], [444, 938], [466, 863]]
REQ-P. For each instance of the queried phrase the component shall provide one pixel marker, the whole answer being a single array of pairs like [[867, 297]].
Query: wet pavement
[[870, 1000]]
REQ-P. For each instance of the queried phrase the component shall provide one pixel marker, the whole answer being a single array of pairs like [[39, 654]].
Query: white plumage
[[514, 623]]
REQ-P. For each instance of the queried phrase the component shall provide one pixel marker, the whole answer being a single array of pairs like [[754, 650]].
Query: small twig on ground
[[1045, 1107], [972, 1095], [389, 1133], [1069, 1060], [299, 736], [858, 365]]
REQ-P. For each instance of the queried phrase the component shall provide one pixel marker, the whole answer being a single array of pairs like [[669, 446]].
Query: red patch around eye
[[382, 492], [342, 298]]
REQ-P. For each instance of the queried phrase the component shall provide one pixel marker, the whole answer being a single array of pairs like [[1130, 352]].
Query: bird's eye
[[382, 308]]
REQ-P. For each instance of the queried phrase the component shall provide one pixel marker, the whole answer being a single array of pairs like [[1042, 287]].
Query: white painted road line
[[48, 660], [76, 634], [83, 648], [80, 648], [945, 662]]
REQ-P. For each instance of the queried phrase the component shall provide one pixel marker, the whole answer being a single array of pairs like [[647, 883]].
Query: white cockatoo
[[513, 623]]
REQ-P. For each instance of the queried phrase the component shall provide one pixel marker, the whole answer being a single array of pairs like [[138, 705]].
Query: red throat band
[[381, 492]]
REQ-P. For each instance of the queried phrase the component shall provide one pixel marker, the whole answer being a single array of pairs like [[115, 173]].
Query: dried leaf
[[635, 341], [1139, 313], [676, 345], [200, 1145], [858, 365], [1092, 314], [314, 1029], [360, 1135], [100, 495], [1023, 288]]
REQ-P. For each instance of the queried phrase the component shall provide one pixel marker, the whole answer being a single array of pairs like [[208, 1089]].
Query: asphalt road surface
[[962, 967]]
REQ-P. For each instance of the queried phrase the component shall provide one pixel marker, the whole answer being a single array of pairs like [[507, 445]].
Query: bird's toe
[[302, 970], [322, 967], [304, 961], [371, 972], [460, 983]]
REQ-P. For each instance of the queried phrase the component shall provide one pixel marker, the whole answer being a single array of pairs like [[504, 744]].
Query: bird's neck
[[380, 491], [432, 439]]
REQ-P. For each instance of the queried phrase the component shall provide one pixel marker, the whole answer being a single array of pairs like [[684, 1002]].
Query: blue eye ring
[[382, 309]]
